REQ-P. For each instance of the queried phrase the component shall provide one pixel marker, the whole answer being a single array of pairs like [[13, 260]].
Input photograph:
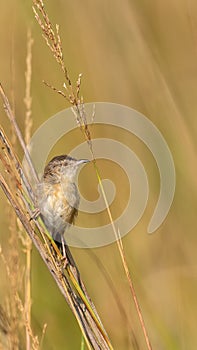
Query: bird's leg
[[35, 214]]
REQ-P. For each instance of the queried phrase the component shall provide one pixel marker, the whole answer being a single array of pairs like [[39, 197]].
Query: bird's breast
[[58, 204]]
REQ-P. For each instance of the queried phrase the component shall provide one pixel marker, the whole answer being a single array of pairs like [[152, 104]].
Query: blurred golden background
[[142, 54]]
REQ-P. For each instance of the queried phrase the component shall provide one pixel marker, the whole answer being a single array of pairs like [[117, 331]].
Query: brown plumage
[[57, 195]]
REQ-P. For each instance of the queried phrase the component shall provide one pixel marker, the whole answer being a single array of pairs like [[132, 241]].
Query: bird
[[57, 195]]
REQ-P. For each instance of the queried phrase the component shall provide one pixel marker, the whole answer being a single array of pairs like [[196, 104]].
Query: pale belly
[[58, 207]]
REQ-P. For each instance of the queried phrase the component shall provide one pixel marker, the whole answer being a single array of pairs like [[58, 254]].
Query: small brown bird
[[58, 196]]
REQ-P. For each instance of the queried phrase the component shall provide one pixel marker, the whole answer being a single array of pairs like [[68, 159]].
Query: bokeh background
[[142, 54]]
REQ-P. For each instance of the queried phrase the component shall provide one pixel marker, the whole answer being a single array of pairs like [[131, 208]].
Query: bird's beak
[[82, 161]]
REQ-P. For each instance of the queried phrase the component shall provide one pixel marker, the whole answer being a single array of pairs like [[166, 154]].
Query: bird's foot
[[35, 214]]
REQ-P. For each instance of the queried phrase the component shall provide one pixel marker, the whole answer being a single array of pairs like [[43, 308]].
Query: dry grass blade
[[72, 92], [76, 304], [26, 241], [28, 98], [134, 295], [67, 277], [18, 132], [51, 36], [125, 265]]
